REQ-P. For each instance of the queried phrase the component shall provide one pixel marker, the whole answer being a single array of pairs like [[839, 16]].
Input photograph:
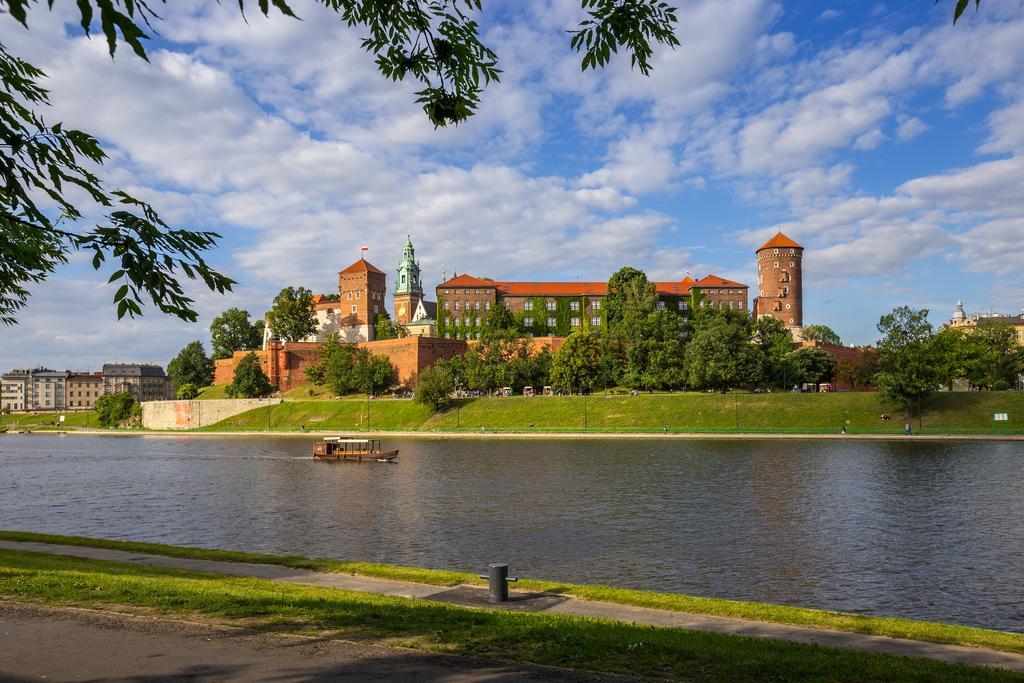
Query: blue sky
[[888, 142]]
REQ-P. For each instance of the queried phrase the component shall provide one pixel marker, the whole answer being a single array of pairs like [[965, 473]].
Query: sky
[[885, 140]]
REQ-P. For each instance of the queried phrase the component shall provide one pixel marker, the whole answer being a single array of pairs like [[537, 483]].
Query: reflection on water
[[925, 530]]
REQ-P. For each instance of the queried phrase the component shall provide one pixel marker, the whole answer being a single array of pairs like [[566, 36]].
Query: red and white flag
[[364, 249]]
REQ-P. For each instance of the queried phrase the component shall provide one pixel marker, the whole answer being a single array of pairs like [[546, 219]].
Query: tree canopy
[[908, 370], [231, 331], [249, 381], [820, 333], [386, 328], [347, 369], [577, 364], [291, 315], [113, 409], [191, 366]]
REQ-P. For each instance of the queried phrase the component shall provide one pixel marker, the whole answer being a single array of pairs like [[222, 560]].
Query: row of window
[[595, 321]]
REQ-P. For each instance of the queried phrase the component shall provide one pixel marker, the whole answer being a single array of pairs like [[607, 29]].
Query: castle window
[[458, 322], [446, 305], [457, 305], [359, 295], [776, 252], [595, 321], [403, 278], [550, 305], [487, 306], [574, 305], [792, 264], [476, 305], [528, 322], [551, 322], [788, 306], [595, 305], [350, 296], [353, 308], [682, 305], [661, 305], [574, 322], [375, 308], [527, 305]]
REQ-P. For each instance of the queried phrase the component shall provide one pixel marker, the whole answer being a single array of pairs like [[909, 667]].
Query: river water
[[924, 530]]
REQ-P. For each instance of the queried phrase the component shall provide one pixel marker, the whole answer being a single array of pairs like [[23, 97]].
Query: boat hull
[[383, 456]]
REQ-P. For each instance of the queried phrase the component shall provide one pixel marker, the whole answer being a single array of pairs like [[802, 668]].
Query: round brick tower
[[780, 289]]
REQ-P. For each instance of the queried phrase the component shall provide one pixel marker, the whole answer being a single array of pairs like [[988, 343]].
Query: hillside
[[684, 412]]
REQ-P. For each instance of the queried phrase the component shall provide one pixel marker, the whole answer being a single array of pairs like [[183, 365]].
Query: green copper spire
[[408, 281]]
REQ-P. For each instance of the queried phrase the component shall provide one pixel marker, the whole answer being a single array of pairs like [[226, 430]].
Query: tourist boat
[[342, 448]]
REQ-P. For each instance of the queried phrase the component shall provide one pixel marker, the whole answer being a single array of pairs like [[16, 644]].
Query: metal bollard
[[498, 586]]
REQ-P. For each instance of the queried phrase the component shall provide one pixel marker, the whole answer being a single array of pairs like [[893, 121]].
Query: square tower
[[362, 288], [408, 288]]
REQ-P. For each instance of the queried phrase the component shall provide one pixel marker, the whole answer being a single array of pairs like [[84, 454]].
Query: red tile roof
[[362, 266], [681, 288], [779, 240]]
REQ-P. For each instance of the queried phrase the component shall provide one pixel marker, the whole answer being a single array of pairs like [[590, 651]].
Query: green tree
[[250, 381], [385, 328], [434, 387], [187, 392], [720, 355], [822, 334], [291, 316], [626, 287], [347, 369], [113, 409], [577, 364], [231, 331], [990, 355], [810, 365], [191, 366], [498, 319], [774, 342], [376, 373], [654, 352], [859, 371], [908, 370]]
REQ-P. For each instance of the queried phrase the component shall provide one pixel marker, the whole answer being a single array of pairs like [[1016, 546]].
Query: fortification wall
[[181, 415]]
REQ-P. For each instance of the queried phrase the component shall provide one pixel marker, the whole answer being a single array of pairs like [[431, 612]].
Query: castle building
[[961, 320], [558, 308], [780, 282], [408, 288]]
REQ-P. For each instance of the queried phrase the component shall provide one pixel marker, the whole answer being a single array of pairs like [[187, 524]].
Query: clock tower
[[408, 288]]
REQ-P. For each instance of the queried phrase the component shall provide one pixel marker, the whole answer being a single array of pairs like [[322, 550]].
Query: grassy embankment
[[883, 626], [960, 413], [42, 421], [557, 640]]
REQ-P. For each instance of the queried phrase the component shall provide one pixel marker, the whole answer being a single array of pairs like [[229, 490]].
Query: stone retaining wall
[[196, 414]]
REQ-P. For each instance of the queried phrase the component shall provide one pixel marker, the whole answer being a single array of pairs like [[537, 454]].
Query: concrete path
[[471, 596], [60, 644]]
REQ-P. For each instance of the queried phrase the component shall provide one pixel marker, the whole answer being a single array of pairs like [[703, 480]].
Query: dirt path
[[57, 644]]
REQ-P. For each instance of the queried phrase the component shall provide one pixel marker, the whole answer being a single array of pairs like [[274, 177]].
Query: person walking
[[906, 428]]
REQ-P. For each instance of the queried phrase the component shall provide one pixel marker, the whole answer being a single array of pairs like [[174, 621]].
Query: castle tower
[[780, 291], [362, 289], [408, 288]]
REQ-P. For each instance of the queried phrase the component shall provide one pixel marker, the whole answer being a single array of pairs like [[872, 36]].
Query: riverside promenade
[[475, 597]]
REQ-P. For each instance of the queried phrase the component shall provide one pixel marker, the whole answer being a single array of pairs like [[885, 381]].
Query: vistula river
[[926, 530]]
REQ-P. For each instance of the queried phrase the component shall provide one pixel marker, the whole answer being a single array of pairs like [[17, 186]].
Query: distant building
[[83, 388], [408, 287], [961, 320], [16, 390], [144, 382], [558, 308], [48, 389], [780, 291]]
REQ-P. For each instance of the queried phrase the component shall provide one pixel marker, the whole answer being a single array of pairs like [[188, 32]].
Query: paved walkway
[[471, 596], [60, 644]]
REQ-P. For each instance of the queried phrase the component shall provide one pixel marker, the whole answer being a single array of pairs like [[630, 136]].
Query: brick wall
[[285, 362]]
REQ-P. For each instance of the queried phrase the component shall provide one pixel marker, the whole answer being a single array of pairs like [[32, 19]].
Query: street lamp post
[[585, 422], [736, 403], [367, 411]]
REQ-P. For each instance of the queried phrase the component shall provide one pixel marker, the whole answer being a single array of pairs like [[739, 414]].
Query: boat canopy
[[338, 439]]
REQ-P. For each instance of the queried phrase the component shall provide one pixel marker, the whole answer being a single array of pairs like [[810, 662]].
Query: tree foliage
[[186, 392], [291, 316], [810, 365], [249, 381], [231, 331], [906, 357], [386, 328], [499, 319], [822, 334], [577, 364], [627, 287], [775, 342], [347, 369], [191, 366], [720, 354], [40, 224], [434, 387], [114, 409], [859, 371]]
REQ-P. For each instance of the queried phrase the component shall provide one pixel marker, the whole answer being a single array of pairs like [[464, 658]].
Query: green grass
[[884, 626], [550, 639], [785, 413], [217, 391], [41, 422]]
